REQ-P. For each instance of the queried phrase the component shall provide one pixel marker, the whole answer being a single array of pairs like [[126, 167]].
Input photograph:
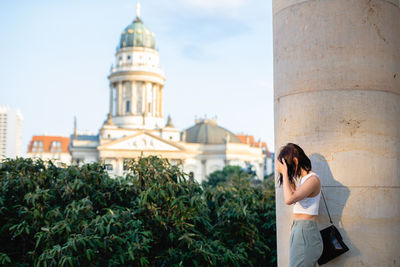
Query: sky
[[217, 56]]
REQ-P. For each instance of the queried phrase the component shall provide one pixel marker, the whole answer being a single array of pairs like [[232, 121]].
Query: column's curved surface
[[337, 95]]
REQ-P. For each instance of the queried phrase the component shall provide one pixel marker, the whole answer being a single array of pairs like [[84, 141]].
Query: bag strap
[[330, 219]]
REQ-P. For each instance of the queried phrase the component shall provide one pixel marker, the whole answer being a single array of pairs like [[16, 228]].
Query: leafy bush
[[153, 216], [243, 213]]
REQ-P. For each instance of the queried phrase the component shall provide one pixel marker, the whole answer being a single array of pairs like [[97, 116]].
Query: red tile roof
[[249, 139], [47, 142]]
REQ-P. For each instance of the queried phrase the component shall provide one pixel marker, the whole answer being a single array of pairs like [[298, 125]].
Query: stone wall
[[337, 95]]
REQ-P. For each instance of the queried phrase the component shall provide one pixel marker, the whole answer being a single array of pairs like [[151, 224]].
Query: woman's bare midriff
[[301, 216]]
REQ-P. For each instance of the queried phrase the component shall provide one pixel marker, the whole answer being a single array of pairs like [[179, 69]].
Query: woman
[[305, 240]]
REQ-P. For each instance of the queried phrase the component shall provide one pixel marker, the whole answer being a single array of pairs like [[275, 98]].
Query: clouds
[[196, 33], [206, 29], [194, 52], [204, 32]]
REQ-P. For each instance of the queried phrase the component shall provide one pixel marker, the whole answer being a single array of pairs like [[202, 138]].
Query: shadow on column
[[336, 195]]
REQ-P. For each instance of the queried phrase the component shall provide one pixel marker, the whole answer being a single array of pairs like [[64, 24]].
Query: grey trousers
[[305, 244]]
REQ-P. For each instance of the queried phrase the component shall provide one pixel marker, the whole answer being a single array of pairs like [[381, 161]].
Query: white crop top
[[308, 205]]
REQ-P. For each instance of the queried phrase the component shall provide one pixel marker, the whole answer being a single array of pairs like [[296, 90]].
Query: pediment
[[141, 142]]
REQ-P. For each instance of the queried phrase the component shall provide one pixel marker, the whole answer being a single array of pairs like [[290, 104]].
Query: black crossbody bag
[[333, 241]]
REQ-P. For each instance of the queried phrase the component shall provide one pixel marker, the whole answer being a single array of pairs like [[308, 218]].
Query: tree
[[152, 216], [228, 175]]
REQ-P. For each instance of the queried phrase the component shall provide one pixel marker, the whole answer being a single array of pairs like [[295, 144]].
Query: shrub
[[152, 216], [243, 213]]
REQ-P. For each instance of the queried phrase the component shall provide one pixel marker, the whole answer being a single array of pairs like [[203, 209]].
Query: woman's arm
[[288, 190], [289, 193], [303, 191]]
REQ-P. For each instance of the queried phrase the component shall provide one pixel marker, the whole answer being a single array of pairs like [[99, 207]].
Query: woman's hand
[[281, 167]]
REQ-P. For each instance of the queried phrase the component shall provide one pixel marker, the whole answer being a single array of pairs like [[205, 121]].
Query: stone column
[[146, 88], [139, 98], [161, 99], [110, 114], [120, 164], [149, 97], [133, 97], [261, 170], [144, 98], [203, 169], [155, 90], [119, 108], [158, 99], [337, 95], [153, 102]]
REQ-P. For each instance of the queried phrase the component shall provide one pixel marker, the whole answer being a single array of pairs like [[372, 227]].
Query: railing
[[137, 67]]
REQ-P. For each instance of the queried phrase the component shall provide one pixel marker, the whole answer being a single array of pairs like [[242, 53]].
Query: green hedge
[[153, 216]]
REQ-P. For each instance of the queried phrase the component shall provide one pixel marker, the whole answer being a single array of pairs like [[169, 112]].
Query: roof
[[249, 139], [208, 132], [85, 137], [47, 144], [137, 34]]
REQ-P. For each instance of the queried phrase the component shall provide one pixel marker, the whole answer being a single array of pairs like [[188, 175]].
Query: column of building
[[337, 95], [110, 114], [133, 98], [119, 90], [148, 91]]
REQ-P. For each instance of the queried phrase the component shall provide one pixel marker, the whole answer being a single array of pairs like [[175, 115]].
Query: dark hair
[[289, 152]]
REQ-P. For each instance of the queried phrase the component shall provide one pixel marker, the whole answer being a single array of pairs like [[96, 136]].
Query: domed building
[[208, 132], [135, 123], [211, 147]]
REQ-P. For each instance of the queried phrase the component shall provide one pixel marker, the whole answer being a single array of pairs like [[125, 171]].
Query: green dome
[[137, 35], [208, 132]]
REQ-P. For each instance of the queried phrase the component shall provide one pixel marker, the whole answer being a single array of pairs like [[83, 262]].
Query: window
[[108, 163], [126, 97], [56, 147], [37, 146], [109, 167], [129, 57], [126, 164], [79, 162]]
